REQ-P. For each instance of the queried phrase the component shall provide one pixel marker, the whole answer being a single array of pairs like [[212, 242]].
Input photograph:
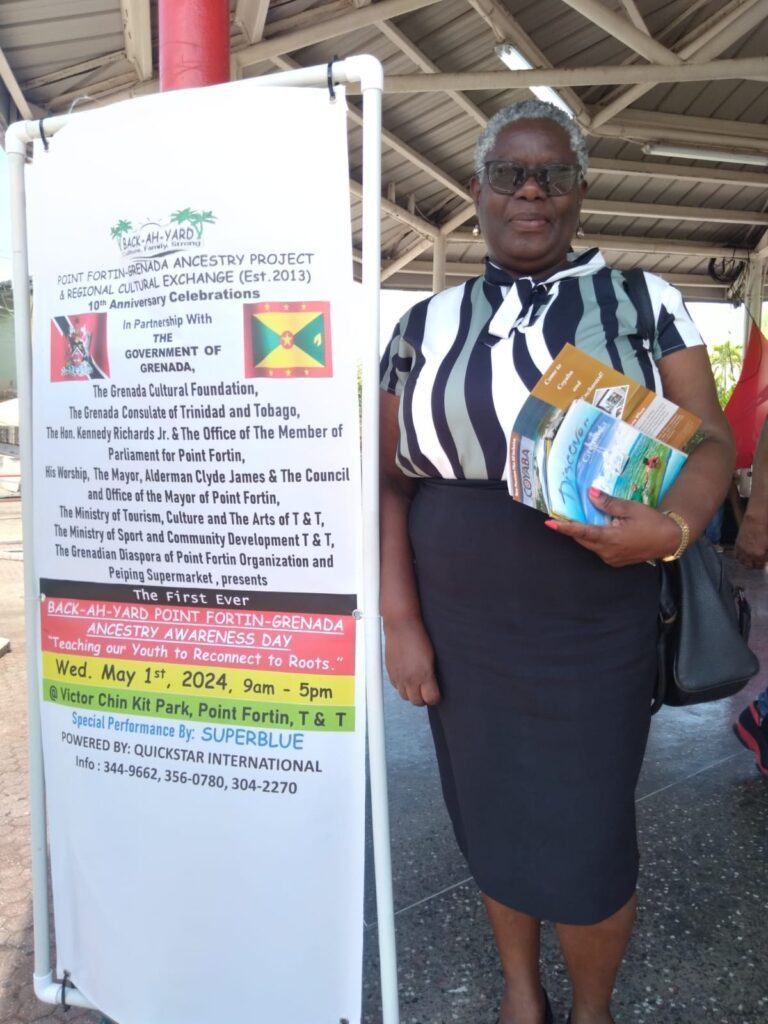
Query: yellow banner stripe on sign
[[292, 321], [237, 684], [294, 357]]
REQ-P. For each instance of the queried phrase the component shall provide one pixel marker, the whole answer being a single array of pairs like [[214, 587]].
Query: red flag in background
[[747, 407]]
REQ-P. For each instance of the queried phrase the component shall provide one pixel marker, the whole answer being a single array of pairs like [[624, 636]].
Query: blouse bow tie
[[520, 305], [497, 275]]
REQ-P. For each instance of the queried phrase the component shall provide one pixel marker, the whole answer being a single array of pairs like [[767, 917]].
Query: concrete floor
[[700, 952]]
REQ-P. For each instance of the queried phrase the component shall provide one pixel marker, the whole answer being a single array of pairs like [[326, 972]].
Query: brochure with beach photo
[[587, 425], [594, 449]]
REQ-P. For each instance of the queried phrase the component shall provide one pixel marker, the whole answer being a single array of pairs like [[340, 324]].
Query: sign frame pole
[[366, 70]]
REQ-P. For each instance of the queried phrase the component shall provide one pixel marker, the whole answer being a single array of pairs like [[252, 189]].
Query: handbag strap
[[636, 288], [669, 610]]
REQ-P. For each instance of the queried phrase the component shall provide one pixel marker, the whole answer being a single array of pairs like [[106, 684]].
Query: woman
[[533, 641]]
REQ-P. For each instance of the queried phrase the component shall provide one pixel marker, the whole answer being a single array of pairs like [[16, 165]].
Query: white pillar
[[438, 263], [753, 296]]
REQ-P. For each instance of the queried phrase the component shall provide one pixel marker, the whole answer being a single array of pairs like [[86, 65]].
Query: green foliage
[[726, 361]]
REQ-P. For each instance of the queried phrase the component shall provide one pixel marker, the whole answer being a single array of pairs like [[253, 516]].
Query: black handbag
[[704, 623]]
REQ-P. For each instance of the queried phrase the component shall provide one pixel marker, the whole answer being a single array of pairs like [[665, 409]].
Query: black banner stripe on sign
[[186, 597]]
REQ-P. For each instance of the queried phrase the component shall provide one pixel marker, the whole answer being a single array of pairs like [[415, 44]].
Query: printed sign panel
[[196, 492]]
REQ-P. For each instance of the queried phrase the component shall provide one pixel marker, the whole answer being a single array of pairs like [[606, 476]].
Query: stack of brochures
[[587, 425]]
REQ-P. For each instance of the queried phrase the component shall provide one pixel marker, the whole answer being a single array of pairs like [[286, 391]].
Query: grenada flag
[[287, 339]]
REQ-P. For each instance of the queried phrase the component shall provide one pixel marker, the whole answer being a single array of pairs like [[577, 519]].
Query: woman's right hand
[[410, 661]]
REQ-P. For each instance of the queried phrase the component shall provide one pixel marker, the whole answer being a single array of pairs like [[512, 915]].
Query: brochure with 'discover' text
[[627, 442]]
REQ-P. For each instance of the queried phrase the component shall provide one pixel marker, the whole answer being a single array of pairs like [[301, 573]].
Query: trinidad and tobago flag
[[287, 339], [79, 347]]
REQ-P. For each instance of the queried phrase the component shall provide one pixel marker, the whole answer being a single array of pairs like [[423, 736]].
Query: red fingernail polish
[[551, 524], [594, 493]]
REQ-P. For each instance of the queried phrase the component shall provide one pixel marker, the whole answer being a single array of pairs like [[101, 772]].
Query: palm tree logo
[[120, 228], [193, 217]]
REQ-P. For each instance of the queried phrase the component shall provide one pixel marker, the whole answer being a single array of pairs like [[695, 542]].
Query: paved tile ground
[[701, 947], [18, 1004]]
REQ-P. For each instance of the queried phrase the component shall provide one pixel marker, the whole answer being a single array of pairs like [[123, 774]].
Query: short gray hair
[[530, 110]]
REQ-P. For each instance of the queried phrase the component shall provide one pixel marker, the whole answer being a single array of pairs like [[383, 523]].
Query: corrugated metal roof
[[671, 216]]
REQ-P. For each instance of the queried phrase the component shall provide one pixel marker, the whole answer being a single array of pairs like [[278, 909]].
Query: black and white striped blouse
[[464, 360]]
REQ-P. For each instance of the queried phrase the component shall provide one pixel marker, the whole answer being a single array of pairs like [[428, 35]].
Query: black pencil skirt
[[546, 663]]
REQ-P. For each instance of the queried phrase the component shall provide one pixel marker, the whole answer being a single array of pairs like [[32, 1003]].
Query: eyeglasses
[[508, 177]]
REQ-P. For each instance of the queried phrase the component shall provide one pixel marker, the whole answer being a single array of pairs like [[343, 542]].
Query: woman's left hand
[[636, 533]]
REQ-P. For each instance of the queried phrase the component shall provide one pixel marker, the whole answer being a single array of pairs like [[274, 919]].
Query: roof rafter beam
[[623, 30], [473, 269], [654, 126], [631, 243], [668, 30], [657, 211], [308, 16], [351, 21], [14, 89], [731, 25], [251, 16], [686, 13], [403, 43], [395, 212], [393, 142], [694, 281], [635, 16], [459, 218], [721, 30], [75, 69], [704, 29], [114, 94], [761, 249], [508, 30], [388, 269], [100, 91], [648, 211], [658, 246], [648, 169], [468, 81], [137, 30]]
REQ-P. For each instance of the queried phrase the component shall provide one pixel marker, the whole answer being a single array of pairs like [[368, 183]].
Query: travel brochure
[[587, 425]]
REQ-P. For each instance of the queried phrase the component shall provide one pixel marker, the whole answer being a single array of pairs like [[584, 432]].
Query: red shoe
[[753, 733]]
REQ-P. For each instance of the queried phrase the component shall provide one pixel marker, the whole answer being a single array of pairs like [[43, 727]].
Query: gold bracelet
[[686, 536]]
